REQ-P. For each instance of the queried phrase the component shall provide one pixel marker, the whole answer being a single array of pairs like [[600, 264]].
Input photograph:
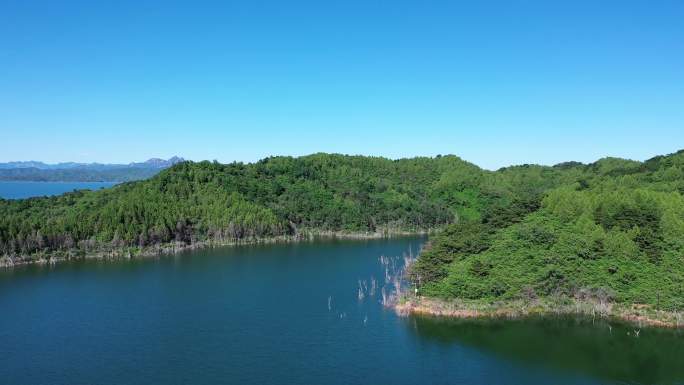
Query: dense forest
[[612, 228], [278, 196]]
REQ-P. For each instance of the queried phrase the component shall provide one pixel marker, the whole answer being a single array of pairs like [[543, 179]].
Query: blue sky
[[495, 82]]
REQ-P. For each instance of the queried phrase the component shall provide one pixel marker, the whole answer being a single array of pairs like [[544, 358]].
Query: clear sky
[[495, 82]]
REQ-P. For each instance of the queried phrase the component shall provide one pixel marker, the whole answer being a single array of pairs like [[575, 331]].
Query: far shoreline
[[172, 248]]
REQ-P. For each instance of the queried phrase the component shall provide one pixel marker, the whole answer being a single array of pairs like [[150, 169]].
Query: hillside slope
[[614, 232], [196, 202]]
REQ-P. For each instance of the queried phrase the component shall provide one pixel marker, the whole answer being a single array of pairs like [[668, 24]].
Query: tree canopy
[[613, 228], [193, 202]]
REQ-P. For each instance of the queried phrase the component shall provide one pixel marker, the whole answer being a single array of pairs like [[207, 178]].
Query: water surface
[[288, 314], [21, 190]]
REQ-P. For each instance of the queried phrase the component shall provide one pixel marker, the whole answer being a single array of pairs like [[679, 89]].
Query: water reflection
[[608, 351]]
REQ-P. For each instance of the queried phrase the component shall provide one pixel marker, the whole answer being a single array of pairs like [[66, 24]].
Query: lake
[[21, 190], [289, 314]]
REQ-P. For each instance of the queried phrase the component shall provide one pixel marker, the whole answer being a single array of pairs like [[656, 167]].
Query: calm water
[[21, 190], [260, 315]]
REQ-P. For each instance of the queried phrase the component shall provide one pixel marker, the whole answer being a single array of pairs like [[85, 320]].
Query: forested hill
[[615, 200], [194, 202], [611, 231]]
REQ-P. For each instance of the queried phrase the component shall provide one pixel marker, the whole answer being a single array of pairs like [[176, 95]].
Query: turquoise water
[[288, 314], [21, 190]]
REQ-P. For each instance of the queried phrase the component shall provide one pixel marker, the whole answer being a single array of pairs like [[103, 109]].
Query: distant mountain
[[83, 172], [150, 163], [158, 163]]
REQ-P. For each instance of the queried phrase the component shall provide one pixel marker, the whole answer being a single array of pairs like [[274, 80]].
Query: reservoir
[[291, 314], [21, 190]]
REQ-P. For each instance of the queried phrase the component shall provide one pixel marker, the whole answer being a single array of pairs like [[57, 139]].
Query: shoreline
[[171, 248], [635, 314]]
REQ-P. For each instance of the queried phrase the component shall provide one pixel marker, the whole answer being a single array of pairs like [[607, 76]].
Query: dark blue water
[[260, 315], [21, 190]]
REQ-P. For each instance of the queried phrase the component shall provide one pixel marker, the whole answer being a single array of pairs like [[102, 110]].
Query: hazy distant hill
[[83, 172]]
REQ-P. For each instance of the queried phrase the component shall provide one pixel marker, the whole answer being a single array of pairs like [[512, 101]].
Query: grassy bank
[[637, 314]]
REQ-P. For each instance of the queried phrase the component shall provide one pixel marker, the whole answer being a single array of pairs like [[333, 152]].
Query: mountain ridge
[[151, 163], [84, 172]]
